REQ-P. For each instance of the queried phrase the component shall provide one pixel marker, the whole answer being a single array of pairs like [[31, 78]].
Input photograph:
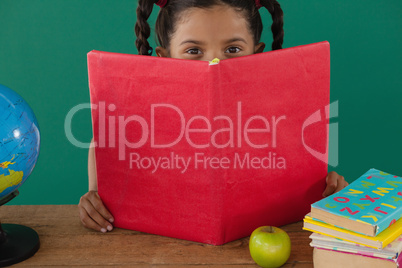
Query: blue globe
[[19, 141]]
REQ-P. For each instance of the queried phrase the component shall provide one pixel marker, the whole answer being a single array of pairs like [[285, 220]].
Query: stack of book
[[359, 226]]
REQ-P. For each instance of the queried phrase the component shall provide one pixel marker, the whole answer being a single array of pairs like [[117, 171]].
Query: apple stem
[[269, 229]]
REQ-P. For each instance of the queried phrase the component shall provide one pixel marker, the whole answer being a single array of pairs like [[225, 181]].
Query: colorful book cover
[[369, 205], [391, 251], [379, 241]]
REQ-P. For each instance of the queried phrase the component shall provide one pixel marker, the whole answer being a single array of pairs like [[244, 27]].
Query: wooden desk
[[65, 242]]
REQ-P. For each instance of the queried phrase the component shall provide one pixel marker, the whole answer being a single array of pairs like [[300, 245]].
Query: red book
[[209, 152]]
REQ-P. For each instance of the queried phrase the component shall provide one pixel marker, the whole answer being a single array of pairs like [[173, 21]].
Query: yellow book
[[380, 241]]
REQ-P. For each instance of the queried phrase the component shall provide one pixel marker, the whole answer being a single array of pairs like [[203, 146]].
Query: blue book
[[368, 206]]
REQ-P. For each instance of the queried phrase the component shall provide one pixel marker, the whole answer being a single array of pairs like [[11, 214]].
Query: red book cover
[[209, 152]]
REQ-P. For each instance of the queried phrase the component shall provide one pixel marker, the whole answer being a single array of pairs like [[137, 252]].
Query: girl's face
[[204, 34]]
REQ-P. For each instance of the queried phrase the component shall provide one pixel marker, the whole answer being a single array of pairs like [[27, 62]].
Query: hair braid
[[142, 28], [277, 22]]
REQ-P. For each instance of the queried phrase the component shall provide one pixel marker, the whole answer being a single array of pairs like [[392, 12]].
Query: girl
[[199, 30]]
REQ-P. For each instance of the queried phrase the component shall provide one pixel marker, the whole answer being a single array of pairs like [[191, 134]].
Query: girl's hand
[[335, 183], [93, 213]]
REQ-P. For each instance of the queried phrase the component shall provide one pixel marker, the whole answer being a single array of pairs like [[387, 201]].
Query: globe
[[19, 150], [19, 141]]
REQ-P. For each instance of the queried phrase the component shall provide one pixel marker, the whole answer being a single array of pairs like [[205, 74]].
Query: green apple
[[269, 246]]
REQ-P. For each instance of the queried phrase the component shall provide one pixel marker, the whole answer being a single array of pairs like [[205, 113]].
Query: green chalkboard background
[[43, 46]]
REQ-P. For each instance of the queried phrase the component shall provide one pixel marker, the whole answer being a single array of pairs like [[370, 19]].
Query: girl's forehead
[[205, 14], [215, 21]]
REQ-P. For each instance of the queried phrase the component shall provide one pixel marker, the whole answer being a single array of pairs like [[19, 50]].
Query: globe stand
[[17, 242], [9, 197]]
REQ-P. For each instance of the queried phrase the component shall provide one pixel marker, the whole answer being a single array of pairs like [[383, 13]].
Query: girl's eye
[[193, 51], [233, 50]]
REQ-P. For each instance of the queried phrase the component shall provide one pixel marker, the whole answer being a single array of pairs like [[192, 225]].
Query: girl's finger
[[331, 184], [100, 207], [87, 221], [97, 218], [341, 183], [329, 190]]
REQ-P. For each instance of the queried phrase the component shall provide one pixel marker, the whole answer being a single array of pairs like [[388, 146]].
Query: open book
[[209, 152]]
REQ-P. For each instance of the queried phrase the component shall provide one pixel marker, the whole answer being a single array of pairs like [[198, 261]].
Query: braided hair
[[170, 14]]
